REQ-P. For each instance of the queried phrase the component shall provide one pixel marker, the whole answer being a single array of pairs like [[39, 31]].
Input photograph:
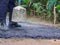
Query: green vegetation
[[47, 9]]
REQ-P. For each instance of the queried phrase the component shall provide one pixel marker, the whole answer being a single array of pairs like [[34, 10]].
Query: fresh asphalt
[[31, 30]]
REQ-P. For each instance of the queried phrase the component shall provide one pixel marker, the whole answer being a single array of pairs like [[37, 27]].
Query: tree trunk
[[55, 15]]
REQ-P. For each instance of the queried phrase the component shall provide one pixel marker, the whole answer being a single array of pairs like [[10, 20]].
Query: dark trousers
[[11, 5], [6, 6]]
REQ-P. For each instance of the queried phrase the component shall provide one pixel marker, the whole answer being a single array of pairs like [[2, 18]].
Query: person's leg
[[3, 11], [11, 5], [10, 9]]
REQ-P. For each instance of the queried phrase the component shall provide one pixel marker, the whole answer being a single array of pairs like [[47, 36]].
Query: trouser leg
[[11, 5], [3, 11], [10, 16]]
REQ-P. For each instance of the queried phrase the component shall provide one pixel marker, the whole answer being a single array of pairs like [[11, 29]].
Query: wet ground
[[31, 30]]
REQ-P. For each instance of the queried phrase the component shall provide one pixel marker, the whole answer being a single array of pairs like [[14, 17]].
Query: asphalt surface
[[31, 30]]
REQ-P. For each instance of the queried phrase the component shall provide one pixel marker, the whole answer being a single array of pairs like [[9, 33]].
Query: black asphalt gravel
[[31, 30]]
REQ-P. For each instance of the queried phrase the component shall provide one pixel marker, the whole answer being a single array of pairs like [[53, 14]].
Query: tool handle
[[19, 2]]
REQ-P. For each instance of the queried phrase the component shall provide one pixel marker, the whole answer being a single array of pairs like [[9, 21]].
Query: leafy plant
[[38, 7], [51, 4], [58, 8]]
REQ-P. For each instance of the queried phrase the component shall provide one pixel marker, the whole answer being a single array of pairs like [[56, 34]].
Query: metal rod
[[19, 2]]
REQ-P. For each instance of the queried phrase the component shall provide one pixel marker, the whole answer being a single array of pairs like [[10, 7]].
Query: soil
[[35, 19], [17, 41]]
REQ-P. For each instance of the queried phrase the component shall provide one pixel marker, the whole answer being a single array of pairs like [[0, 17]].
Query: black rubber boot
[[14, 24]]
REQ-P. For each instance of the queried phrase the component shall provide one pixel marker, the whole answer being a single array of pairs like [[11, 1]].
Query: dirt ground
[[41, 21], [17, 41]]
